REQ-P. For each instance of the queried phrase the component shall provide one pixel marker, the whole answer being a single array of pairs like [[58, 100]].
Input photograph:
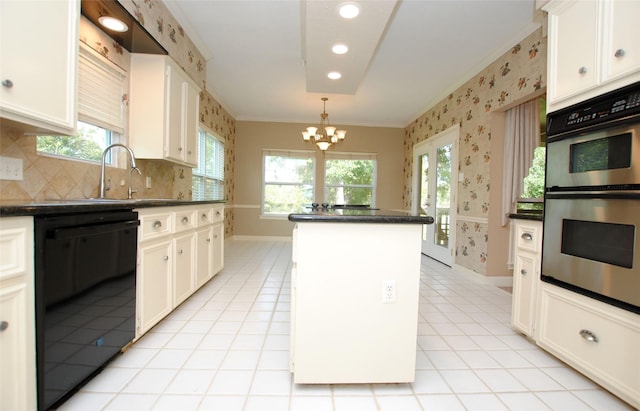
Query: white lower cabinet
[[179, 249], [526, 274], [17, 315], [153, 285], [600, 340]]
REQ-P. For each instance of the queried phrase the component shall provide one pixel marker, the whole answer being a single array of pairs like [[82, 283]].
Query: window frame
[[351, 156], [217, 175], [298, 154]]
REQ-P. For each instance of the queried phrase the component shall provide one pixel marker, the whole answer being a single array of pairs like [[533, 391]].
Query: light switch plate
[[11, 168]]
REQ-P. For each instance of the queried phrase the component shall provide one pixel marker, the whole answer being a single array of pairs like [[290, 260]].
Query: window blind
[[100, 91]]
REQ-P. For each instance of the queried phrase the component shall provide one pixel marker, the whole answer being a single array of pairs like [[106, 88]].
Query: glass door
[[436, 174]]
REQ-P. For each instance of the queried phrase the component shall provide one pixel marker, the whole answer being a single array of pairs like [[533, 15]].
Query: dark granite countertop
[[359, 215], [12, 208], [537, 216]]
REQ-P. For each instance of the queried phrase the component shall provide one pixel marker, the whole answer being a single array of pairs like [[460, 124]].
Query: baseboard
[[260, 238], [498, 281]]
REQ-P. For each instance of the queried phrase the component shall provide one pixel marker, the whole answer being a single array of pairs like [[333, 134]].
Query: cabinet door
[[183, 279], [19, 394], [621, 51], [218, 249], [38, 63], [192, 106], [153, 288], [174, 126], [573, 45], [525, 276], [204, 253]]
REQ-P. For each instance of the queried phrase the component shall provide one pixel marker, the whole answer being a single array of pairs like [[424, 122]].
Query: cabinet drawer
[[204, 216], [154, 225], [184, 220], [218, 214], [528, 237], [600, 340]]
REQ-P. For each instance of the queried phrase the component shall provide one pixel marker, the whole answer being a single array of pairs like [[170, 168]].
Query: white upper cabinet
[[163, 110], [38, 63], [593, 48]]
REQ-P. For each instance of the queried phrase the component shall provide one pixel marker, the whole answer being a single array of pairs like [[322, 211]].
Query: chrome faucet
[[102, 166]]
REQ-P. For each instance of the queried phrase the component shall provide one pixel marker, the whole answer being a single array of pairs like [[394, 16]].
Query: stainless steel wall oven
[[592, 198]]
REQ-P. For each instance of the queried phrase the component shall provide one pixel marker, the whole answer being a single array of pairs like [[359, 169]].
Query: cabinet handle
[[4, 325], [165, 258], [218, 213], [523, 272], [180, 251], [526, 236], [582, 70], [157, 224], [185, 220], [179, 148], [208, 239], [589, 336], [7, 83], [619, 53]]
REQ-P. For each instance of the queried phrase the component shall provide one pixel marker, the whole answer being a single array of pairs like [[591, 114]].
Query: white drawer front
[[204, 216], [604, 346], [154, 225], [184, 220], [528, 237]]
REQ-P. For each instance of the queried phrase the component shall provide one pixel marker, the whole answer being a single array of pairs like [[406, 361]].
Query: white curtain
[[521, 137]]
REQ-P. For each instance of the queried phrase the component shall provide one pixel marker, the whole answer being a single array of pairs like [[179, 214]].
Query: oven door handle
[[90, 230]]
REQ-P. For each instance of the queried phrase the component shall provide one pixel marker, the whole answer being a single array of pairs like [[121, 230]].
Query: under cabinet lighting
[[113, 23]]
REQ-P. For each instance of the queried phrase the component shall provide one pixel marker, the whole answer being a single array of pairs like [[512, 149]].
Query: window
[[101, 86], [288, 181], [350, 178], [208, 177]]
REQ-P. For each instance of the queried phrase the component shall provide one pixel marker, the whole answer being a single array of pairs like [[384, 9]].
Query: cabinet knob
[[180, 251], [523, 271], [589, 336], [208, 239], [179, 148], [215, 236], [204, 216], [165, 258], [7, 83], [526, 236], [582, 70], [157, 224], [619, 53], [4, 325], [218, 213], [185, 220]]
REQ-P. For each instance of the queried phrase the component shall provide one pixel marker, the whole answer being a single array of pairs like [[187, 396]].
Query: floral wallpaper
[[515, 75]]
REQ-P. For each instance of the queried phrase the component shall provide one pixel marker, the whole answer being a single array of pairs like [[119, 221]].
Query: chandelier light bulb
[[312, 130], [325, 135], [341, 134], [306, 136], [330, 130]]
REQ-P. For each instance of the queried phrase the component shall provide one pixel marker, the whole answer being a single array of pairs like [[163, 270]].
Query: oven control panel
[[609, 107]]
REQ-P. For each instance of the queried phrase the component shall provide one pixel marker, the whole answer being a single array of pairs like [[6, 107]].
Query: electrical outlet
[[389, 291], [148, 182], [11, 168]]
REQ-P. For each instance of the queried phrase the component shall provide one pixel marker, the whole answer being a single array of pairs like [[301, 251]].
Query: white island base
[[347, 325]]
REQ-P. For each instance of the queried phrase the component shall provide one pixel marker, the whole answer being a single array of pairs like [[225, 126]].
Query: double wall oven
[[592, 198]]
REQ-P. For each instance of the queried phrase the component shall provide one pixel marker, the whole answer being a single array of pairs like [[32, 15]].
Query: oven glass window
[[604, 242], [602, 154]]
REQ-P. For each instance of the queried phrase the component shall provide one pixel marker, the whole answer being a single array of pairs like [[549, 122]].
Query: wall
[[518, 75], [253, 137], [55, 178]]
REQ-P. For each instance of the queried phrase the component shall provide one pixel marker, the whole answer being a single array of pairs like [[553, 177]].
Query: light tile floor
[[227, 349]]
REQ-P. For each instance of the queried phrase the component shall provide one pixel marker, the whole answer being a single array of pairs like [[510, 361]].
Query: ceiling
[[267, 59]]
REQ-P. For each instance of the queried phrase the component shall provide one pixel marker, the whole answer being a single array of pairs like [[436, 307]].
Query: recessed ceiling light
[[349, 10], [334, 75], [113, 23], [340, 48]]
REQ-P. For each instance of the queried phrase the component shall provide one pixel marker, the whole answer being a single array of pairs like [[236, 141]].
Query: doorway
[[435, 177]]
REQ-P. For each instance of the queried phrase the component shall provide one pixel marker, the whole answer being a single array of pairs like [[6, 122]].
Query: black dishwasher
[[85, 273]]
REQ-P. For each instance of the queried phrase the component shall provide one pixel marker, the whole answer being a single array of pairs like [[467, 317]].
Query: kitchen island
[[354, 295]]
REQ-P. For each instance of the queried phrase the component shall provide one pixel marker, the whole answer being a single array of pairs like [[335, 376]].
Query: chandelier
[[325, 135]]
